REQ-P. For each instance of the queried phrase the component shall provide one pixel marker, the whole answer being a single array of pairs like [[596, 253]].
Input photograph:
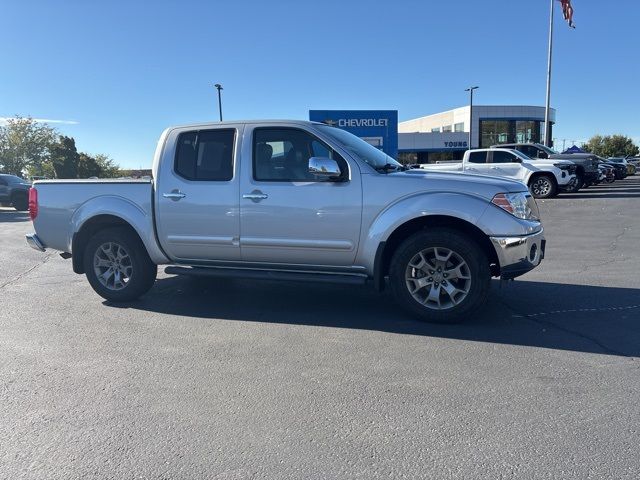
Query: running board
[[291, 276]]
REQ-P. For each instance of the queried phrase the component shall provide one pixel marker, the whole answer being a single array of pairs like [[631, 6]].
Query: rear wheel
[[543, 186], [118, 266], [440, 276]]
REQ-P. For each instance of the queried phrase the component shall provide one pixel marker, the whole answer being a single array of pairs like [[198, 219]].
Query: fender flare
[[125, 210], [463, 207]]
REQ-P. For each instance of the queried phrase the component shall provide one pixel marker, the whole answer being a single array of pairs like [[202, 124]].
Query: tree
[[65, 157], [611, 146], [24, 146], [108, 168], [99, 165], [87, 166]]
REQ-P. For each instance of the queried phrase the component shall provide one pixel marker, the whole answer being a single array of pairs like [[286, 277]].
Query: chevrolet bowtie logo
[[330, 122]]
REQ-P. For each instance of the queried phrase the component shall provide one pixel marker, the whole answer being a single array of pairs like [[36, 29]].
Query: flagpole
[[547, 124]]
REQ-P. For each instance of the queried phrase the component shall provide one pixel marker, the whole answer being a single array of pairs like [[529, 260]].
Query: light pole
[[547, 108], [219, 87], [470, 90]]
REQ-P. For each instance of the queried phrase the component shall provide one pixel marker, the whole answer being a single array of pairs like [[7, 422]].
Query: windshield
[[13, 179], [358, 147], [549, 151]]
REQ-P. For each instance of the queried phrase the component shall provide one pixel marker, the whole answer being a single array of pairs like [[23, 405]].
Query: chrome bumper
[[518, 255], [34, 242]]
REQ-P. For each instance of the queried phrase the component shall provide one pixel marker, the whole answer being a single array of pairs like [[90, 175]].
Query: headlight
[[562, 166], [519, 204]]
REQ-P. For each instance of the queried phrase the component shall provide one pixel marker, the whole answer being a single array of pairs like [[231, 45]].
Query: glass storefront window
[[446, 128], [495, 132], [458, 127]]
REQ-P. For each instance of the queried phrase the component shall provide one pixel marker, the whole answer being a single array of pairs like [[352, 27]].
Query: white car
[[544, 178]]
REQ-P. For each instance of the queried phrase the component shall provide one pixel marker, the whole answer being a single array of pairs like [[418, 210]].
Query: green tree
[[25, 146], [65, 157], [108, 168], [611, 146], [88, 166]]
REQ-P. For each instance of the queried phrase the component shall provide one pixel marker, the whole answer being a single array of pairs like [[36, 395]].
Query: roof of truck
[[236, 122]]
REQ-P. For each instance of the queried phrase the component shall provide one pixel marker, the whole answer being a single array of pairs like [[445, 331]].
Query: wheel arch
[[387, 248], [88, 229]]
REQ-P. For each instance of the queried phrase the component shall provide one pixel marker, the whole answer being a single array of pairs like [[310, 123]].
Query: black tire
[[142, 270], [20, 202], [577, 184], [466, 249], [543, 186]]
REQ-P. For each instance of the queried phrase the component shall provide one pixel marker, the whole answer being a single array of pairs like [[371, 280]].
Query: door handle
[[174, 195], [255, 196], [495, 168]]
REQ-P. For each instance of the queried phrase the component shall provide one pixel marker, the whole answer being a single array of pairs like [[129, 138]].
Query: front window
[[361, 149], [282, 155]]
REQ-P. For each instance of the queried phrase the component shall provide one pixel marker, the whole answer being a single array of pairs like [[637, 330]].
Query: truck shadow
[[534, 314], [9, 214], [627, 188]]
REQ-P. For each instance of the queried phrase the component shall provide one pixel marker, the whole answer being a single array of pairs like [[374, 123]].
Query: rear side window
[[205, 155], [478, 157]]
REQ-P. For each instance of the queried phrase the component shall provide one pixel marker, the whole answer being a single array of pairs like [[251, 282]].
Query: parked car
[[587, 163], [607, 174], [293, 200], [619, 169], [623, 161], [543, 179], [14, 191]]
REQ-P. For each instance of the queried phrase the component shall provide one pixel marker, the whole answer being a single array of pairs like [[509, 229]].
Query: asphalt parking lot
[[241, 379]]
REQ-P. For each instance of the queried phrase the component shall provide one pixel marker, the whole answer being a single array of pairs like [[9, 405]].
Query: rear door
[[197, 194], [478, 163]]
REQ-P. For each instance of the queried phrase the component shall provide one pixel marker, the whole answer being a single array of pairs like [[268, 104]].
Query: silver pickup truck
[[293, 200]]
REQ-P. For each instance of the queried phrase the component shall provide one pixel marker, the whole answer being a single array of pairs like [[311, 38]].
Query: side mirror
[[324, 168], [543, 155]]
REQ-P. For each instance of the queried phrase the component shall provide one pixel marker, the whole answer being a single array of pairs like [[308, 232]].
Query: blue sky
[[123, 71]]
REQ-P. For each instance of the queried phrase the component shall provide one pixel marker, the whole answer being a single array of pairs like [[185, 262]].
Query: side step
[[291, 276]]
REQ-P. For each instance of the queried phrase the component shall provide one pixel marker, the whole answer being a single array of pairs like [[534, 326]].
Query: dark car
[[619, 169], [587, 171], [14, 191]]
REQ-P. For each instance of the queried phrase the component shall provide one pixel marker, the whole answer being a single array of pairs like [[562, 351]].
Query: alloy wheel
[[112, 266], [438, 278]]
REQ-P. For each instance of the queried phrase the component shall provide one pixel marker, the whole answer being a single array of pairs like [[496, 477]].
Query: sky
[[115, 74]]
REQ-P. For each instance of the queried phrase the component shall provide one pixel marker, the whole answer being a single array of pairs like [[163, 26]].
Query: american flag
[[567, 11]]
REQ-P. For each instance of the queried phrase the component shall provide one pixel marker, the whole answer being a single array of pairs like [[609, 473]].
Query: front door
[[508, 165], [287, 215], [197, 195]]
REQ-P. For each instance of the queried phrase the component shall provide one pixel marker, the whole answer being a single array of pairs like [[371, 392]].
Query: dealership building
[[440, 136]]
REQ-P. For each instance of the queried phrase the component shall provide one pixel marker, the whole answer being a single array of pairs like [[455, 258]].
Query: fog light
[[532, 253]]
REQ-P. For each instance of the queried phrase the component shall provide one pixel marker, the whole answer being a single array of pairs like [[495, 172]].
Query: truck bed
[[61, 202]]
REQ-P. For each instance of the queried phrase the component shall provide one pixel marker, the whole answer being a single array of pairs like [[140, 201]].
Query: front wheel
[[543, 186], [440, 276], [118, 266], [576, 185]]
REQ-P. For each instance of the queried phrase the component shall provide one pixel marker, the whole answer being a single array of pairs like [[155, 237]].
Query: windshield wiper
[[390, 167]]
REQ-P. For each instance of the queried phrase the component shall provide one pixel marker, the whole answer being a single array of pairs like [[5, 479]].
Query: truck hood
[[457, 182]]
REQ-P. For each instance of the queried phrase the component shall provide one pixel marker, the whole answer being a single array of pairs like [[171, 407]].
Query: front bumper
[[34, 242], [520, 254]]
